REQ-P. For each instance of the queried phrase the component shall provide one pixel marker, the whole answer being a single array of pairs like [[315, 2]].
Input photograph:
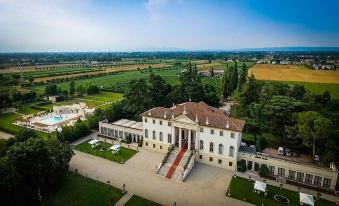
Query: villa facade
[[213, 138]]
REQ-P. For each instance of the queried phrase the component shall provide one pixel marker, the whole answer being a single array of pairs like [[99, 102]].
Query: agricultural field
[[314, 81], [293, 74]]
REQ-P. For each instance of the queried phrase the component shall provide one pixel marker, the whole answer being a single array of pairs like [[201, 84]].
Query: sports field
[[293, 73]]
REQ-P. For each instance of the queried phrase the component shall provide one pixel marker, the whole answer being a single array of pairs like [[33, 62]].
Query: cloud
[[154, 7]]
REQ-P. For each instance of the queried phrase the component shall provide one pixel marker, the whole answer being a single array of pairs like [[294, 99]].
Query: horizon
[[165, 25]]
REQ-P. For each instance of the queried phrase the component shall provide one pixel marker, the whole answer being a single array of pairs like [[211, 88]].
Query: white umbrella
[[306, 199], [115, 147], [93, 141], [260, 186]]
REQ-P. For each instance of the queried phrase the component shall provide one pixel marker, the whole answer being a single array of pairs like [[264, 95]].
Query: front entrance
[[183, 137]]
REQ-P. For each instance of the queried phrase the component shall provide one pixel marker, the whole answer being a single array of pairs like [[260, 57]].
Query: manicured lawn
[[139, 201], [77, 190], [243, 188], [124, 153], [104, 97]]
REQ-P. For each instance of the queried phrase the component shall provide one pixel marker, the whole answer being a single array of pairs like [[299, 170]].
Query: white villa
[[196, 132]]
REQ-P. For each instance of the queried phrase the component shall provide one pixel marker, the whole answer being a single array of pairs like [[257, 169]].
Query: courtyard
[[139, 176]]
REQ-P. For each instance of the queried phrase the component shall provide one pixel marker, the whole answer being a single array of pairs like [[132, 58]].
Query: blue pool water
[[53, 120]]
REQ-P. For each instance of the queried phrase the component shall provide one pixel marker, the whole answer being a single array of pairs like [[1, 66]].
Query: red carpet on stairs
[[175, 163]]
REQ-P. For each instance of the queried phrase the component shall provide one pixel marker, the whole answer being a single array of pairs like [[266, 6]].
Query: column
[[173, 135], [180, 137], [196, 141], [189, 139]]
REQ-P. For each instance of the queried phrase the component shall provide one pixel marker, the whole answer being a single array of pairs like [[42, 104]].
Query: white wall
[[150, 126]]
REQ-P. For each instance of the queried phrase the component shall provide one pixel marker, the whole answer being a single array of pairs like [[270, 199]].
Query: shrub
[[241, 166], [263, 170], [261, 143], [129, 139]]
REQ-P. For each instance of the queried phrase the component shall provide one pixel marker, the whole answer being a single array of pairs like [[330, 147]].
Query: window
[[281, 172], [271, 170], [211, 146], [231, 153], [154, 135], [169, 138], [230, 164], [308, 178], [221, 149], [201, 145], [160, 137], [232, 135], [145, 119], [200, 157], [221, 133], [169, 124], [291, 174], [211, 159], [153, 145], [201, 129], [317, 180], [146, 143], [327, 183], [160, 147], [212, 131], [146, 133], [153, 121], [219, 161], [300, 176], [160, 122]]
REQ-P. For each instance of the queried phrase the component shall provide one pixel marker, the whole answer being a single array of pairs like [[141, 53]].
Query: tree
[[261, 143], [313, 128], [158, 90], [72, 88], [211, 97], [225, 84], [212, 72], [51, 90], [92, 89], [80, 90], [243, 75], [25, 134], [263, 170], [234, 77]]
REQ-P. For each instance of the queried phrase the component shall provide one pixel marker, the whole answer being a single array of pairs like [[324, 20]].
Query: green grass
[[103, 97], [77, 190], [123, 156], [6, 125], [241, 188], [139, 201]]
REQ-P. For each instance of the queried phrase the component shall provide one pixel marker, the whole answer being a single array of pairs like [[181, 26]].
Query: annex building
[[196, 132]]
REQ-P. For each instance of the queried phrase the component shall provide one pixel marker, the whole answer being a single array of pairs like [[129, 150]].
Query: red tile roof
[[199, 112]]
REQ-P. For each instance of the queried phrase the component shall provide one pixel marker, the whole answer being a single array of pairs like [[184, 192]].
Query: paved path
[[4, 135], [124, 199], [206, 185]]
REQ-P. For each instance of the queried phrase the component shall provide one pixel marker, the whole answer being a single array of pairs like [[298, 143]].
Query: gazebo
[[306, 199], [94, 142], [259, 187]]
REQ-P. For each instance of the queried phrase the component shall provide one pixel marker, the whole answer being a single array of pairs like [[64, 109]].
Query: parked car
[[280, 151], [288, 152]]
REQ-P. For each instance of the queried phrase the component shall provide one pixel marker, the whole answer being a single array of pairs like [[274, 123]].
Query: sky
[[151, 25]]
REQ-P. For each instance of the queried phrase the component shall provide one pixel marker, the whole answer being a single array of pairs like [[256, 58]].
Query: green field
[[139, 201], [77, 190], [243, 188], [123, 155], [320, 88]]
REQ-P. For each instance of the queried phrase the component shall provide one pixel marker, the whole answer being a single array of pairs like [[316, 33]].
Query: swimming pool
[[53, 120]]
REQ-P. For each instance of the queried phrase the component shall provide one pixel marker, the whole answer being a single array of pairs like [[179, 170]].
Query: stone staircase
[[179, 168]]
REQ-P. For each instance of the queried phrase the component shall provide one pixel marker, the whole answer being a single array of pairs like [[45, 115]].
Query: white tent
[[306, 199], [260, 186], [115, 147], [93, 141]]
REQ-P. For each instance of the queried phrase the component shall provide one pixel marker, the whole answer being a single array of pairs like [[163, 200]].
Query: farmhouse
[[196, 132]]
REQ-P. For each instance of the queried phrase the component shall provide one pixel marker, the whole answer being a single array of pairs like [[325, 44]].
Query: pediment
[[184, 119]]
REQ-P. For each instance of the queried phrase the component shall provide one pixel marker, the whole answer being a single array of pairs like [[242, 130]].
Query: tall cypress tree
[[242, 78], [225, 84], [235, 77]]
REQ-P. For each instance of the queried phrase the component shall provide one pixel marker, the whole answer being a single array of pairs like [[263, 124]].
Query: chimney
[[227, 124], [184, 112], [149, 113], [196, 118], [173, 115], [165, 115], [207, 123]]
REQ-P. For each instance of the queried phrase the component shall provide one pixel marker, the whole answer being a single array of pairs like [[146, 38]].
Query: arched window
[[211, 146], [221, 149], [201, 145], [154, 135], [231, 151], [146, 133], [160, 136]]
